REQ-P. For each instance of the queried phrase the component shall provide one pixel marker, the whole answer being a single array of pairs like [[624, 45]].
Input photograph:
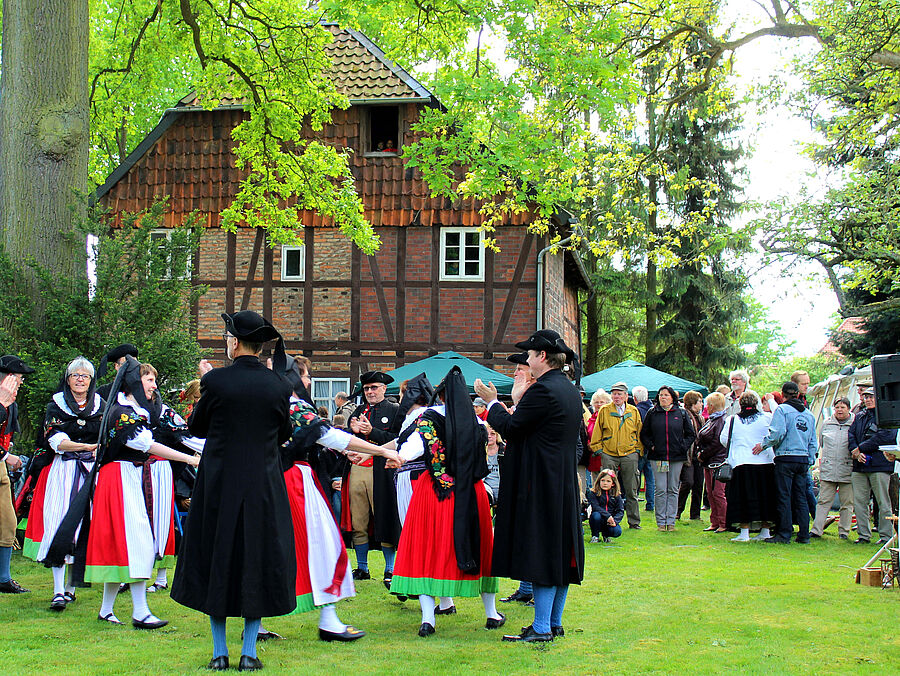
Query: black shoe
[[360, 574], [402, 597], [249, 663], [426, 630], [123, 588], [557, 631], [69, 597], [445, 611], [636, 526], [152, 624], [349, 634], [802, 542], [776, 540], [155, 587], [517, 596], [387, 580], [529, 603], [12, 587], [843, 536], [266, 635], [883, 541], [493, 623], [861, 541], [529, 635], [815, 535], [218, 663], [58, 603], [112, 619]]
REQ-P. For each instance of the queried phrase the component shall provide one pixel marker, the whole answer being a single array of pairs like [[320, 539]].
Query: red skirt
[[426, 558], [323, 571]]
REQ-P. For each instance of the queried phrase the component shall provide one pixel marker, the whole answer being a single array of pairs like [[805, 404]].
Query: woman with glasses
[[71, 428]]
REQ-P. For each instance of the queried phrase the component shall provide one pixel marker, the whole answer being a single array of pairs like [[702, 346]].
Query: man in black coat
[[237, 557], [544, 543], [370, 489], [116, 357]]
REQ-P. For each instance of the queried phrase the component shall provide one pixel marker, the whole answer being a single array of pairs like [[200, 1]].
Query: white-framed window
[[324, 389], [293, 263], [162, 267], [462, 254]]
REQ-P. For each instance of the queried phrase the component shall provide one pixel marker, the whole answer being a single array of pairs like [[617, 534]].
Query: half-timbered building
[[431, 286]]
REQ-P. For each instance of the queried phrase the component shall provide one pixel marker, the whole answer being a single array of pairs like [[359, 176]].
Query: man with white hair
[[643, 404], [740, 382]]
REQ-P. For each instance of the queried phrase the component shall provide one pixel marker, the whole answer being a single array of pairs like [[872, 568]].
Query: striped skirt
[[57, 485], [121, 546], [323, 570]]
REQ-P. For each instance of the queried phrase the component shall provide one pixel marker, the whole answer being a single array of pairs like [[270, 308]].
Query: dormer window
[[381, 130]]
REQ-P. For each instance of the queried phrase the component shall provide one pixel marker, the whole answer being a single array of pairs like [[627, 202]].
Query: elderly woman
[[667, 435], [712, 453], [751, 491], [835, 470], [71, 428]]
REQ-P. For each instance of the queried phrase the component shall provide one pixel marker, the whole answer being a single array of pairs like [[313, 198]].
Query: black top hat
[[547, 340], [115, 355], [375, 377], [250, 326], [518, 358], [10, 363]]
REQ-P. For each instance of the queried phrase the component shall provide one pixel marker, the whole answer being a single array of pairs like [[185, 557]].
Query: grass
[[683, 602]]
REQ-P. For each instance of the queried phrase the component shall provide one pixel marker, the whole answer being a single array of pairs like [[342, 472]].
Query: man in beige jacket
[[616, 436]]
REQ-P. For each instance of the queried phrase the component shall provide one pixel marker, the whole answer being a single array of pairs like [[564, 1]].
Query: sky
[[802, 301]]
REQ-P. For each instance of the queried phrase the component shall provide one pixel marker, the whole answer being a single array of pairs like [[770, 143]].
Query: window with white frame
[[293, 263], [462, 254], [324, 390], [161, 262]]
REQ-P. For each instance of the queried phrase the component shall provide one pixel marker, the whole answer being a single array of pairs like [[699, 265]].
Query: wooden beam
[[434, 320], [488, 299], [268, 258], [251, 271], [400, 295], [510, 303], [382, 301], [308, 300], [230, 270], [355, 256]]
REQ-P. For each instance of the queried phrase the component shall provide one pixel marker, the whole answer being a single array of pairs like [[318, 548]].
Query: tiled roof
[[360, 70], [189, 158]]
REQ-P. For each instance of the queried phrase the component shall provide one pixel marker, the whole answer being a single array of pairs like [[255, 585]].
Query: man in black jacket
[[871, 470], [237, 558], [544, 544], [12, 372], [371, 494]]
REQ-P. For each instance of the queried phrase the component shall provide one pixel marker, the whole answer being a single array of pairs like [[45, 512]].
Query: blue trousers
[[791, 484], [549, 603], [599, 526], [646, 468]]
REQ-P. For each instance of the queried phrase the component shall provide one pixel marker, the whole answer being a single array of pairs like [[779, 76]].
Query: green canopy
[[438, 366], [633, 374]]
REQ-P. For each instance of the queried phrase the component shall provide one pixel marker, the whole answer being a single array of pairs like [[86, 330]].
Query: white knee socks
[[427, 603], [110, 591], [328, 620], [59, 579], [490, 606]]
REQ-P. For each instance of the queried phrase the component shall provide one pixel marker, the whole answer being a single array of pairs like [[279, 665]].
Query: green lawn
[[684, 602]]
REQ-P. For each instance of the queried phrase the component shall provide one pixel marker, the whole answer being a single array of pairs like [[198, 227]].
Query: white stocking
[[328, 620], [490, 606], [427, 603], [59, 579], [110, 591]]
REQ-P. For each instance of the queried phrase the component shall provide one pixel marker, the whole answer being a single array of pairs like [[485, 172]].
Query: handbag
[[724, 471]]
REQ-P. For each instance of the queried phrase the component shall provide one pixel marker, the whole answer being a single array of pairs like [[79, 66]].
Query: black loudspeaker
[[886, 381]]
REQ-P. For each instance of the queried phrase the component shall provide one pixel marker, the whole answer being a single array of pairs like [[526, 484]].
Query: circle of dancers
[[260, 539]]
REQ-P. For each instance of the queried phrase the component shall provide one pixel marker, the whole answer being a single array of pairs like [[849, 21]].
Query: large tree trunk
[[652, 193], [44, 133]]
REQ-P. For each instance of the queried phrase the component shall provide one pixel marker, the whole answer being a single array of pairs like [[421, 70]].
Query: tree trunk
[[44, 134], [592, 342], [652, 194]]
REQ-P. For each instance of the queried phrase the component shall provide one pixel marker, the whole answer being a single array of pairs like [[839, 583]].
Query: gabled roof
[[360, 70]]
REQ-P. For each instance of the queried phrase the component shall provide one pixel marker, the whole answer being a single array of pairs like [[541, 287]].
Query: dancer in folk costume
[[446, 541], [416, 394], [131, 523], [71, 427], [323, 571], [237, 557]]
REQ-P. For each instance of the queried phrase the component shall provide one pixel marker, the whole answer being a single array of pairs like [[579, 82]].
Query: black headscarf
[[292, 374], [464, 449], [418, 389], [69, 398], [131, 383]]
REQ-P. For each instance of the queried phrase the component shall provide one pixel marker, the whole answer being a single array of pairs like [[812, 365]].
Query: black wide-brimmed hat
[[518, 358], [10, 363], [252, 327], [115, 355], [375, 377], [547, 340]]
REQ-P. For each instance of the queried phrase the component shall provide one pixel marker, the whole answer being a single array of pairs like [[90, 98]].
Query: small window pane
[[472, 268], [452, 239], [472, 238], [292, 267], [472, 254], [452, 254], [451, 269]]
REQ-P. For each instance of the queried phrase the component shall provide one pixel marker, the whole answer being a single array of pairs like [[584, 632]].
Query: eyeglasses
[[368, 388], [227, 335], [80, 376]]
